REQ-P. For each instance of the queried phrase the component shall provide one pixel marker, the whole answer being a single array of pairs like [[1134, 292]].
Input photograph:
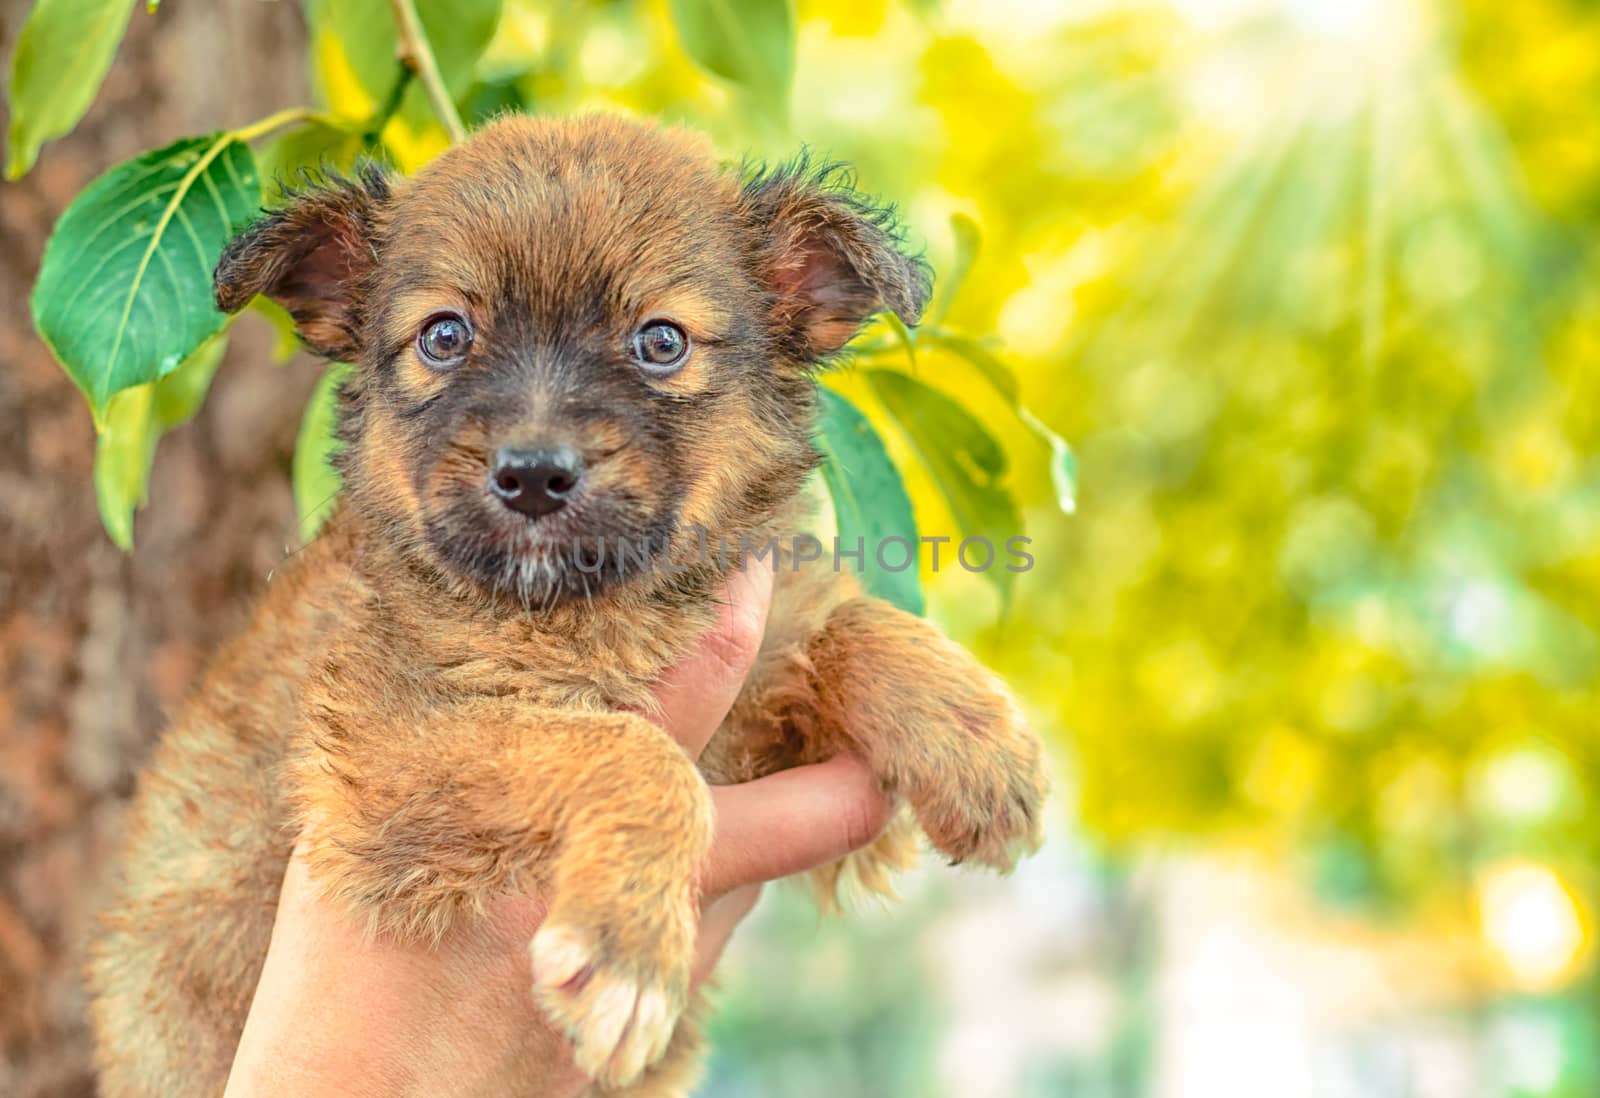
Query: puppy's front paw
[[979, 791], [936, 726], [617, 1003]]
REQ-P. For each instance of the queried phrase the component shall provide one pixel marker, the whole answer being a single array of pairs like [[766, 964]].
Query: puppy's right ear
[[312, 257]]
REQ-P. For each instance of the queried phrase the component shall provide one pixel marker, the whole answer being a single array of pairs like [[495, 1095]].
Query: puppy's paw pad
[[1000, 843], [992, 817], [643, 1041], [993, 827], [618, 1022], [560, 956]]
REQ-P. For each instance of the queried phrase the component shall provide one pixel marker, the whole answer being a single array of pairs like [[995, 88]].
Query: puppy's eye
[[444, 340], [660, 347]]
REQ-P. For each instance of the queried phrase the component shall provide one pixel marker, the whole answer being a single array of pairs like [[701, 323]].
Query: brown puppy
[[573, 338]]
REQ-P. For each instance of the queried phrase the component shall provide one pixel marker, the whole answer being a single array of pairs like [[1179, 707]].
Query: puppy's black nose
[[536, 482]]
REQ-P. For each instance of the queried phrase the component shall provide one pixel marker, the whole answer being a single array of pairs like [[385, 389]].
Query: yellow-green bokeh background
[[1310, 287]]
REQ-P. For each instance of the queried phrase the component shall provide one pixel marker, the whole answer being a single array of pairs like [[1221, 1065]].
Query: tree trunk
[[97, 648]]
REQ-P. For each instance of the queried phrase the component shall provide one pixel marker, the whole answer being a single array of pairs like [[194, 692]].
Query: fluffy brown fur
[[438, 700]]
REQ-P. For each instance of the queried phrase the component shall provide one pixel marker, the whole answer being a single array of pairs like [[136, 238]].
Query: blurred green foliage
[[1333, 588]]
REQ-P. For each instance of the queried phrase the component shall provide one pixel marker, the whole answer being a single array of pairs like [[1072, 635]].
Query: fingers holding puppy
[[788, 822], [695, 694], [793, 821]]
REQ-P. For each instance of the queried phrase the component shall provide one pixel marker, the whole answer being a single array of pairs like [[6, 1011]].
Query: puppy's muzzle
[[536, 482]]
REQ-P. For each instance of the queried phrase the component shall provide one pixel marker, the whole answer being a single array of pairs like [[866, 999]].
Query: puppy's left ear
[[312, 256], [830, 256]]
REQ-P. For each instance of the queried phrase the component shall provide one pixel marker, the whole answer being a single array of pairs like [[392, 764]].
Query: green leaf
[[907, 340], [995, 372], [1063, 462], [458, 30], [123, 452], [317, 146], [135, 421], [62, 56], [286, 341], [964, 461], [316, 481], [489, 98], [869, 500], [365, 30], [969, 240], [750, 43], [124, 292], [178, 396]]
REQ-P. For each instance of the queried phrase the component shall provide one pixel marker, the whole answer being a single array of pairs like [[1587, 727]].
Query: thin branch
[[374, 131], [417, 55], [262, 127]]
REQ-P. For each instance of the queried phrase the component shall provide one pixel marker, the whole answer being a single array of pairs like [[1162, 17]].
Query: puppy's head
[[572, 339]]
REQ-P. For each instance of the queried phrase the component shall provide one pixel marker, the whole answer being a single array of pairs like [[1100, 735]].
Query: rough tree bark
[[96, 648]]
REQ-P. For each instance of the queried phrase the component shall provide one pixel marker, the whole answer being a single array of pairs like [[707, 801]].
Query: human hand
[[337, 1013]]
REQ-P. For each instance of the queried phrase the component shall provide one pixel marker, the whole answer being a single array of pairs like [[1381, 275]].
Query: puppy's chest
[[591, 661]]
